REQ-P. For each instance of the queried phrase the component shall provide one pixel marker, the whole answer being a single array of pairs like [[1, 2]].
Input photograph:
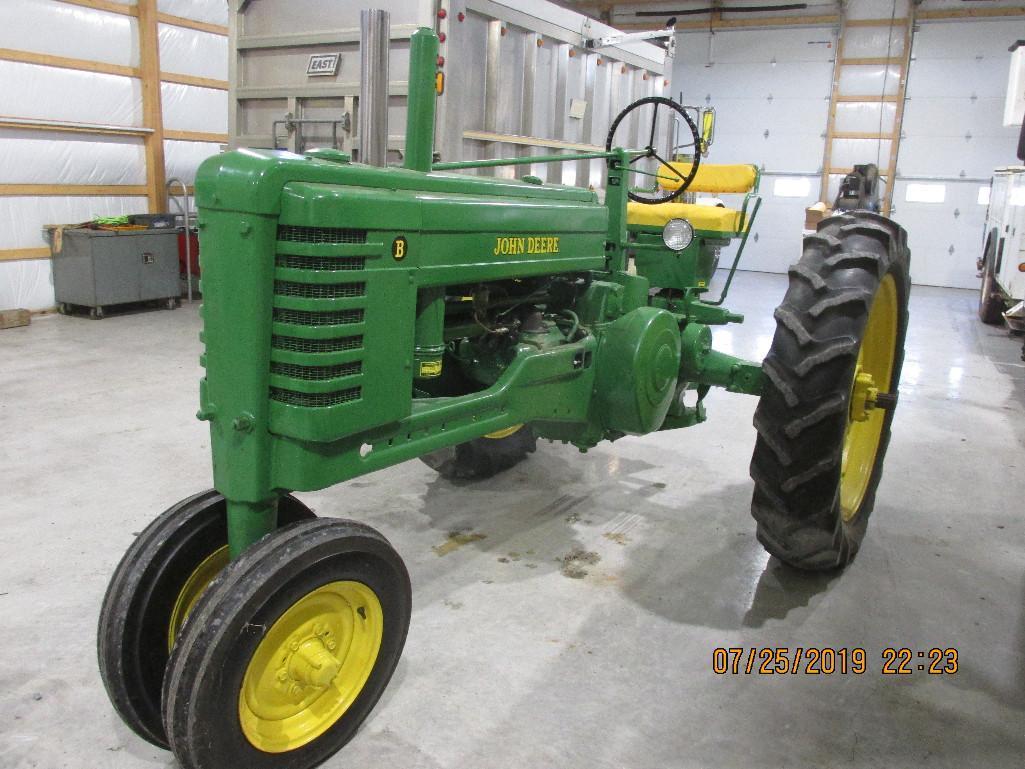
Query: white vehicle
[[1002, 264]]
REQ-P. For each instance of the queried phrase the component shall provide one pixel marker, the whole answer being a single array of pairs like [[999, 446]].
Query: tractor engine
[[356, 314]]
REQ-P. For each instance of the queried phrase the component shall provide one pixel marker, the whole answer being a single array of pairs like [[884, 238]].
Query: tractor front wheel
[[154, 588], [831, 374], [290, 649], [483, 457]]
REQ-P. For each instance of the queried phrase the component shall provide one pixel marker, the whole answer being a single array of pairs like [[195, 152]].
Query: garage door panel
[[775, 115], [943, 246], [933, 116], [958, 77], [755, 80], [783, 45], [780, 151], [773, 251], [952, 156], [939, 41]]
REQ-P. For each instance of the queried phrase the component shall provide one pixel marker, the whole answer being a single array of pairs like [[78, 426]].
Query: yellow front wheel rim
[[193, 588], [873, 375], [310, 666]]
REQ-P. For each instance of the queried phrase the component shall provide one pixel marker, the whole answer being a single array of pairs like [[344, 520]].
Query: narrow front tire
[[289, 651], [151, 593]]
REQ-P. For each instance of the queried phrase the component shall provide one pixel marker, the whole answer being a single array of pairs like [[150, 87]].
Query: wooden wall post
[[152, 113]]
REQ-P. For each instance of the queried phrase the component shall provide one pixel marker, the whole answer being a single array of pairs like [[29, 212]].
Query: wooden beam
[[895, 22], [34, 124], [201, 82], [862, 60], [754, 21], [845, 171], [898, 115], [65, 62], [862, 135], [152, 114], [865, 99], [196, 136], [104, 5], [971, 13], [825, 20], [86, 65], [75, 190], [20, 254], [201, 26]]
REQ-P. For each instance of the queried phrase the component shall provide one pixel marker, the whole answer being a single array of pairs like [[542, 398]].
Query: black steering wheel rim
[[677, 108]]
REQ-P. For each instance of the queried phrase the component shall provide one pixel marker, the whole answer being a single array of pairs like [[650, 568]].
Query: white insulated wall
[[771, 89], [52, 93]]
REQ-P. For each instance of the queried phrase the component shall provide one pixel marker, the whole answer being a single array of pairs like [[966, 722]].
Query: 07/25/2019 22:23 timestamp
[[827, 660]]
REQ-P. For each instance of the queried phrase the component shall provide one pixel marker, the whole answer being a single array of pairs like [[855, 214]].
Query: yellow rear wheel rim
[[873, 375], [193, 588], [310, 666]]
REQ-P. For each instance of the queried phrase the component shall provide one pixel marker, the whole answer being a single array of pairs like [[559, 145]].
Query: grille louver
[[316, 373], [329, 318], [318, 263], [298, 344], [319, 290], [290, 233], [315, 400]]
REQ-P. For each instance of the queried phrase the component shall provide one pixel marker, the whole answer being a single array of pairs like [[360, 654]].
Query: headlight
[[677, 234]]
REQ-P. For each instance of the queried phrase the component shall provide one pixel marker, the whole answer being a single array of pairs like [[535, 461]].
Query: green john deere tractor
[[356, 317]]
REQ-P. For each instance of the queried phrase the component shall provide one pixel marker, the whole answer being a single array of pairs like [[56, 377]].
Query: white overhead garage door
[[771, 89]]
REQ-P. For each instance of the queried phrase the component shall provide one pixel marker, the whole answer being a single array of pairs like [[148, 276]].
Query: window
[[926, 193], [791, 187]]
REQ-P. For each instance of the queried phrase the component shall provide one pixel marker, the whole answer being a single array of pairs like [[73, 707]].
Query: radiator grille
[[327, 318], [337, 300], [316, 373], [298, 344], [295, 234], [316, 400], [319, 290], [328, 263]]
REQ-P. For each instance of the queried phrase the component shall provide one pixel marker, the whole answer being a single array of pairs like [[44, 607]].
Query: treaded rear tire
[[803, 413], [482, 458]]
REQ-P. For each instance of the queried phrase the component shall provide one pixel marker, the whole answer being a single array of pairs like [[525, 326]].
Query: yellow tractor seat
[[711, 177], [707, 218]]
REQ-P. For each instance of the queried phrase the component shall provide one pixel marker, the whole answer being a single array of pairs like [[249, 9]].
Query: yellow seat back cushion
[[711, 177], [708, 218]]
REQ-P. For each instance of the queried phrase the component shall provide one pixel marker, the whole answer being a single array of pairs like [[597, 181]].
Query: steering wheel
[[663, 170]]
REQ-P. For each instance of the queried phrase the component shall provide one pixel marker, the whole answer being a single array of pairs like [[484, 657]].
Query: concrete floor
[[512, 663]]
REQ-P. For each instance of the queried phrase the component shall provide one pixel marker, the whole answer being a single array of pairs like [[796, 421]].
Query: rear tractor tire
[[483, 457], [824, 418]]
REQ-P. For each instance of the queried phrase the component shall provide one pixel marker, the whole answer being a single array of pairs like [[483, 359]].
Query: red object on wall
[[194, 247]]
